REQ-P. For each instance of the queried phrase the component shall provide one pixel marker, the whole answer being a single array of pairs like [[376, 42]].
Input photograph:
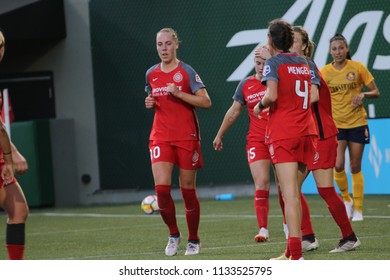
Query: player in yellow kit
[[346, 79]]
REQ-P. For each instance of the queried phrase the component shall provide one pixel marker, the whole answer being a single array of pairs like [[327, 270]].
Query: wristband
[[261, 106]]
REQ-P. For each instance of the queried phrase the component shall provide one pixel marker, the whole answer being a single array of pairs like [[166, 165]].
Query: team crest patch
[[366, 133], [312, 74], [195, 157], [267, 70], [271, 150], [316, 158], [198, 79], [350, 76], [178, 77]]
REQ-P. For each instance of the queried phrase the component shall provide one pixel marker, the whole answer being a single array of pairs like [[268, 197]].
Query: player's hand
[[358, 100], [262, 52], [150, 102], [256, 111], [217, 143], [20, 163], [7, 173], [173, 90]]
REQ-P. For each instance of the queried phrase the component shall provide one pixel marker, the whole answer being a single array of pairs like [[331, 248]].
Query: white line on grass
[[227, 247], [96, 215]]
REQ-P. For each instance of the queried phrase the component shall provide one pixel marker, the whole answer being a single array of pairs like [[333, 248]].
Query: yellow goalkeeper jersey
[[344, 84]]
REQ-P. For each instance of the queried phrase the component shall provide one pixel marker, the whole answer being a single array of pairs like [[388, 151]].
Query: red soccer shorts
[[325, 156], [257, 151], [300, 150], [185, 154]]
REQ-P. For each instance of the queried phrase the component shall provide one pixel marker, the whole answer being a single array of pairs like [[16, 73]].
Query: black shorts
[[359, 134]]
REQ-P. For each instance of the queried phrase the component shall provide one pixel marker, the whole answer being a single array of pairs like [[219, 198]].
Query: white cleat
[[348, 208], [310, 246], [262, 236], [192, 249], [346, 244], [172, 246], [357, 216]]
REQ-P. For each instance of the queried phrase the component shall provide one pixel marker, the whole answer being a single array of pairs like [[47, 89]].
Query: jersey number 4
[[304, 93]]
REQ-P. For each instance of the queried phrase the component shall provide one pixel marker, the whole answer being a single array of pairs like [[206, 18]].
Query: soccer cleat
[[192, 249], [172, 246], [347, 244], [357, 216], [285, 229], [348, 208], [262, 236], [310, 246], [280, 258]]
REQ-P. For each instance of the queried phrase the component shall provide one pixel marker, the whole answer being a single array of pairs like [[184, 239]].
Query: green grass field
[[123, 232]]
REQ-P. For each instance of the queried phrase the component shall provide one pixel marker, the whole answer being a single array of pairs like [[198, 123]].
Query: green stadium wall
[[218, 39]]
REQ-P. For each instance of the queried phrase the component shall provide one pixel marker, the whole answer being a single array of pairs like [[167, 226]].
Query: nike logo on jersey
[[250, 87], [155, 79]]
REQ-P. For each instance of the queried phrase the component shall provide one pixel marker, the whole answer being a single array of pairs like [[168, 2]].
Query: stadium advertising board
[[218, 39]]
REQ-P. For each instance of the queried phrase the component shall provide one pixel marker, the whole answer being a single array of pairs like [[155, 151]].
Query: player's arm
[[7, 172], [314, 94], [270, 97], [373, 92], [200, 99], [230, 117], [19, 161]]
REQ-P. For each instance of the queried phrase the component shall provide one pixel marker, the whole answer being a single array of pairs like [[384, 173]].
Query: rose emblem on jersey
[[350, 76], [195, 157], [178, 77], [271, 150], [316, 158]]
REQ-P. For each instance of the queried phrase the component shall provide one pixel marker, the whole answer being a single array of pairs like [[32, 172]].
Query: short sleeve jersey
[[249, 92], [344, 84], [174, 120], [290, 115], [322, 110]]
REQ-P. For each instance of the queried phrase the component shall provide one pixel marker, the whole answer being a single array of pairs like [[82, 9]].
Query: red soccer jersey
[[249, 92], [174, 120], [290, 115]]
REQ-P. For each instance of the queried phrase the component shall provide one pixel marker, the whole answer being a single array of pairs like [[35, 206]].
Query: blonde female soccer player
[[248, 93], [174, 91]]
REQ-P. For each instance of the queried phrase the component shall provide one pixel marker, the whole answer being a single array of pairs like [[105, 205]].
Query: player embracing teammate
[[290, 132]]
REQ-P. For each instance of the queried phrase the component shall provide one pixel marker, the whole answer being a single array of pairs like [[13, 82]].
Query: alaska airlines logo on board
[[368, 20]]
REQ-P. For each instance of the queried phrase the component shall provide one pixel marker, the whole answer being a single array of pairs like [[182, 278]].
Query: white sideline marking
[[95, 215], [211, 216], [212, 248]]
